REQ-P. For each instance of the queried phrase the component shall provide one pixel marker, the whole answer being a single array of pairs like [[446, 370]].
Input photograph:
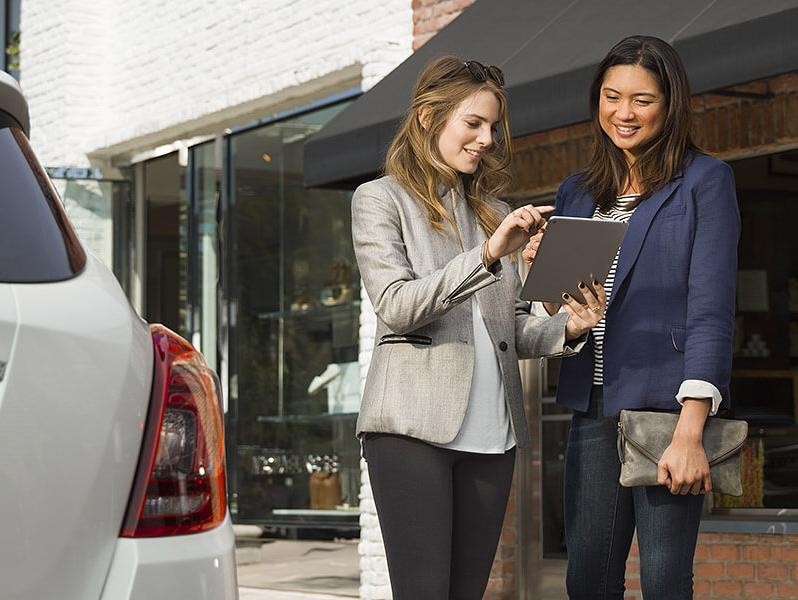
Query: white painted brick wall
[[104, 75], [374, 581]]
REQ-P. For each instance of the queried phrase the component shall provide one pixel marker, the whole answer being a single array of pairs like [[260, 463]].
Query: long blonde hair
[[414, 159]]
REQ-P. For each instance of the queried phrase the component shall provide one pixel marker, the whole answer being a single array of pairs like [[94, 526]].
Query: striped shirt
[[620, 211]]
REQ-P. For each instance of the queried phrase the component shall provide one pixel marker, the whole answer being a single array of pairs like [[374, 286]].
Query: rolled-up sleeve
[[695, 388]]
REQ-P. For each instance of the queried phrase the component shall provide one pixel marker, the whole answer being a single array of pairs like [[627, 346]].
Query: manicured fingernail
[[582, 285], [566, 296], [595, 282]]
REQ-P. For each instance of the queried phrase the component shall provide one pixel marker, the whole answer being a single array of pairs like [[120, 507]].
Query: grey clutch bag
[[644, 436]]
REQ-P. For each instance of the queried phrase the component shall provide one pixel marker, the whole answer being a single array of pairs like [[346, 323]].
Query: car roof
[[13, 102]]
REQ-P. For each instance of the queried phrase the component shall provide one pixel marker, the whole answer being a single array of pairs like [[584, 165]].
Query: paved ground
[[310, 570], [245, 593], [292, 569]]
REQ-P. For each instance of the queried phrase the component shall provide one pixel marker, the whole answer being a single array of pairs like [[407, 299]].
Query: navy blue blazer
[[671, 313]]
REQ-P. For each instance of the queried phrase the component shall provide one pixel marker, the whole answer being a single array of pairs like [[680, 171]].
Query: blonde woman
[[442, 408]]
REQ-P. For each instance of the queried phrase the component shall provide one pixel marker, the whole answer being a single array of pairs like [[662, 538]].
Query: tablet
[[571, 250]]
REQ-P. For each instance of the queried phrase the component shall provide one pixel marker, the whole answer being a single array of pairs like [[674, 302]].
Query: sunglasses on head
[[480, 72]]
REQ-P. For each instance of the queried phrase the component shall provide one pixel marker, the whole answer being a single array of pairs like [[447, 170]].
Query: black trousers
[[441, 513]]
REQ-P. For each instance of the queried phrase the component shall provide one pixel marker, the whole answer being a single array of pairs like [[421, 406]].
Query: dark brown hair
[[608, 172], [413, 157]]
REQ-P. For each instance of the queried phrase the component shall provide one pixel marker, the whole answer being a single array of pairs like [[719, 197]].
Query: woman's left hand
[[683, 467], [583, 317]]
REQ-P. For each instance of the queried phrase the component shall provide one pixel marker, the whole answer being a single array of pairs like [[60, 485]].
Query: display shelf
[[790, 374], [305, 418], [315, 312], [316, 518]]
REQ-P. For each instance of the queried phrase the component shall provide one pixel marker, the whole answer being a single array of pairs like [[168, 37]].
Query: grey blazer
[[418, 280]]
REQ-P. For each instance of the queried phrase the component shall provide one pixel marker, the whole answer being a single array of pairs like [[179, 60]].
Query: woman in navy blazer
[[666, 340]]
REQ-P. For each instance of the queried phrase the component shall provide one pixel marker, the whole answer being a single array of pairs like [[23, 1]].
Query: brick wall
[[430, 16], [727, 126], [501, 585], [736, 566], [113, 76]]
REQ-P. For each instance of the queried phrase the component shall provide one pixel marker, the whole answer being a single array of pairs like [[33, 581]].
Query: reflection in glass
[[167, 244], [206, 191], [294, 346], [764, 387], [101, 211]]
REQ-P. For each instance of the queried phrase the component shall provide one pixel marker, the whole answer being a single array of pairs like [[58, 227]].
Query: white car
[[111, 431]]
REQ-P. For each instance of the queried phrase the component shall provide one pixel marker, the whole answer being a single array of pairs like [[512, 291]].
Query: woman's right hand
[[514, 231], [529, 253]]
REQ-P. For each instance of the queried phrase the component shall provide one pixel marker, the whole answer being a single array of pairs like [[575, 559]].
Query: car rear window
[[37, 242]]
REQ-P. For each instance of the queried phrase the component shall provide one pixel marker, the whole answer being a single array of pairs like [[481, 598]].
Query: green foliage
[[12, 52]]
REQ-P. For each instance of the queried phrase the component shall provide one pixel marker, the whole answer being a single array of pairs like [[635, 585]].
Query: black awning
[[548, 50]]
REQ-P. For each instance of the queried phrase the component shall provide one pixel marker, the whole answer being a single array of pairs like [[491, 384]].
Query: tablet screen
[[572, 250]]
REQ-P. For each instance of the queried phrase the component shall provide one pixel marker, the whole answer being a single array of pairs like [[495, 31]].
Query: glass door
[[294, 314], [166, 293], [102, 213], [205, 166]]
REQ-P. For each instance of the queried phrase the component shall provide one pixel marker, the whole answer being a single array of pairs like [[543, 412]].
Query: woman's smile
[[627, 131], [631, 108]]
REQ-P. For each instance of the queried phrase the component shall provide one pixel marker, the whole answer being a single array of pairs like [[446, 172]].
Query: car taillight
[[180, 481]]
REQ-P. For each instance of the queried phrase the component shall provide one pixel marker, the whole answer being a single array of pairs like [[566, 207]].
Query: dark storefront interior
[[250, 266], [294, 344]]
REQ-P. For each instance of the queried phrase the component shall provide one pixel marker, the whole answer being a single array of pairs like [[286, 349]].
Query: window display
[[764, 384], [294, 315]]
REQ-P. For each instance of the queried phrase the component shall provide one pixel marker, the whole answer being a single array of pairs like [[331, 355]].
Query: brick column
[[735, 566], [430, 16]]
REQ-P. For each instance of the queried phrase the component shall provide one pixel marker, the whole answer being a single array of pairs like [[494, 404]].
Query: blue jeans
[[601, 516]]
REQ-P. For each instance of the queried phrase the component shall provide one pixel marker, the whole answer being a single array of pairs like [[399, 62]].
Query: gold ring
[[596, 309]]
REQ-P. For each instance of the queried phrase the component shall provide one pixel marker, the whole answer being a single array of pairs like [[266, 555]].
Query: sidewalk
[[314, 570], [245, 593], [297, 569]]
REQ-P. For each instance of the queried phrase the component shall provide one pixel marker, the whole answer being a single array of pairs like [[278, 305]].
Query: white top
[[486, 427]]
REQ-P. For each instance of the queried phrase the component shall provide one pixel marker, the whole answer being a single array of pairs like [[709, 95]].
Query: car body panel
[[200, 566], [8, 330], [74, 400]]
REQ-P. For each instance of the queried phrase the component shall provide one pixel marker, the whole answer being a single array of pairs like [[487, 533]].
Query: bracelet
[[487, 261]]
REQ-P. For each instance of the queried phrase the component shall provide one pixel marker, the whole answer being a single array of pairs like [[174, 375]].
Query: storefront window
[[765, 369], [205, 165], [10, 36], [101, 211], [555, 422], [167, 209], [294, 383]]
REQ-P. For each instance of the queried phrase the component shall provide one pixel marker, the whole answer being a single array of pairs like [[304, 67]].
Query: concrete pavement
[[315, 570], [245, 593], [294, 569]]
